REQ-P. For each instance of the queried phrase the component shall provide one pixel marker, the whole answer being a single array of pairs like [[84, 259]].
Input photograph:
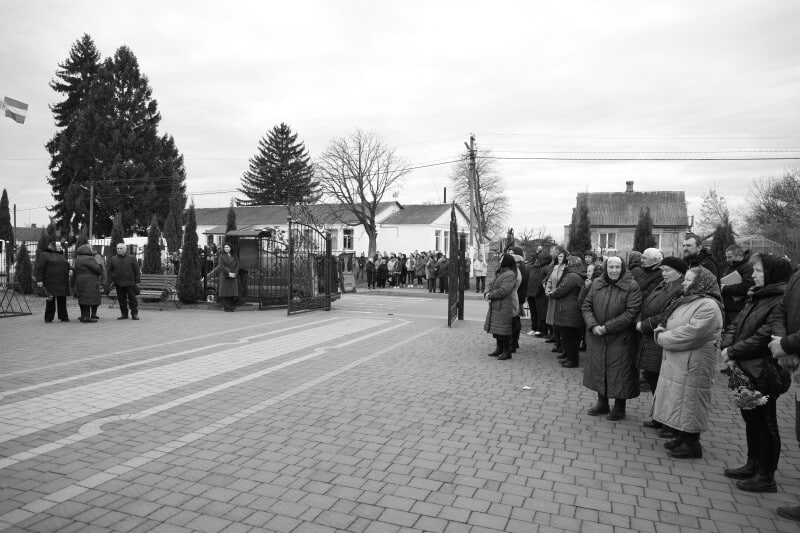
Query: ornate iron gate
[[455, 287], [273, 269], [311, 269]]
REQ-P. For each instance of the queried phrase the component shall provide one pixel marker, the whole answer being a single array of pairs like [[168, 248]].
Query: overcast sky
[[531, 79]]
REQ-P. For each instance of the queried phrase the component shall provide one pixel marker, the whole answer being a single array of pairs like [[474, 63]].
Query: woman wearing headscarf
[[87, 283], [52, 274], [690, 340], [536, 278], [503, 305], [567, 316], [748, 338], [653, 306], [610, 311], [550, 284], [227, 285]]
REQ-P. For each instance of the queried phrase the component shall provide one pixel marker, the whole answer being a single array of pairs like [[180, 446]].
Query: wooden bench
[[161, 286]]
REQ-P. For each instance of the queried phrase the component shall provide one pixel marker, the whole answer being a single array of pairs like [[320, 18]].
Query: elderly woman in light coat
[[690, 339], [503, 306], [609, 312]]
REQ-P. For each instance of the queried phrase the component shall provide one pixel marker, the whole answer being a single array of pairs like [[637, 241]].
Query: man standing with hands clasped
[[785, 348], [124, 271]]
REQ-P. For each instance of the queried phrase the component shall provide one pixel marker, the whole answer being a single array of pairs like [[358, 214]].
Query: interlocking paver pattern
[[372, 417]]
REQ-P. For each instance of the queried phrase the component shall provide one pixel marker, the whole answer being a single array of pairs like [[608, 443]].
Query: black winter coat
[[705, 260], [786, 318], [124, 271], [567, 308], [87, 276], [651, 278], [52, 269], [749, 336], [653, 307], [734, 297]]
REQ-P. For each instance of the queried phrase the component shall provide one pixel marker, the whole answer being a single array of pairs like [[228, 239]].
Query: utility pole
[[91, 210], [473, 192]]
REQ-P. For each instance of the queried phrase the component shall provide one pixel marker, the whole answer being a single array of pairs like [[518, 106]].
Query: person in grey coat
[[503, 305], [610, 311], [87, 283]]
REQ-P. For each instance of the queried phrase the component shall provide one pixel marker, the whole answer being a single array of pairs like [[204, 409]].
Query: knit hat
[[675, 263], [508, 261]]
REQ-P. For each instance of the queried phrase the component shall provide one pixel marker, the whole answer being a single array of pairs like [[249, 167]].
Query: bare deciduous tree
[[713, 211], [357, 170], [774, 210], [492, 203]]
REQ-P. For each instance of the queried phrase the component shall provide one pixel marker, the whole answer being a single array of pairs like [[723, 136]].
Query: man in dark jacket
[[123, 270], [734, 295], [786, 343], [52, 274], [536, 280], [695, 255]]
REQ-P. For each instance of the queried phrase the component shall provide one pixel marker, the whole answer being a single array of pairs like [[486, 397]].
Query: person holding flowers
[[785, 347], [746, 345], [690, 339]]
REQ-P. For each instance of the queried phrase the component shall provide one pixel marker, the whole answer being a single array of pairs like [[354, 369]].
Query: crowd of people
[[429, 270], [665, 325]]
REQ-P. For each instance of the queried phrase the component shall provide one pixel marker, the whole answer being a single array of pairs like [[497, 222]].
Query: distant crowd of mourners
[[665, 324]]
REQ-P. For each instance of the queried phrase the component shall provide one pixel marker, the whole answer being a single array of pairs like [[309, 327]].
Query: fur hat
[[675, 263]]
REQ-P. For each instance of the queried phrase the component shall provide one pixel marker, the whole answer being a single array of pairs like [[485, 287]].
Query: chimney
[[33, 226], [628, 186]]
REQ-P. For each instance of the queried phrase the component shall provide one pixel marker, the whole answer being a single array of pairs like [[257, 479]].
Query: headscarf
[[605, 270], [508, 262], [704, 285], [776, 270]]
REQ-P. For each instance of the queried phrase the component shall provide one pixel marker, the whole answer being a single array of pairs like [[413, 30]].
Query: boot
[[674, 443], [761, 482], [791, 513], [618, 413], [506, 350], [690, 448], [497, 351], [561, 356], [667, 433], [601, 407], [652, 424], [743, 472]]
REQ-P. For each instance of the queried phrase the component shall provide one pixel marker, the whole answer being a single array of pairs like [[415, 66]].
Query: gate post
[[290, 270]]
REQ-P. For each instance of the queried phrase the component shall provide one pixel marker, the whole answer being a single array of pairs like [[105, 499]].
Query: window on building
[[608, 241], [657, 237], [446, 248], [334, 239], [347, 239], [438, 235]]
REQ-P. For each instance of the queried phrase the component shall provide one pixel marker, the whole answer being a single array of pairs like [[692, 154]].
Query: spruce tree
[[583, 231], [643, 235], [152, 254], [573, 227], [723, 237], [117, 235], [190, 288], [73, 80], [173, 225], [23, 270], [281, 172]]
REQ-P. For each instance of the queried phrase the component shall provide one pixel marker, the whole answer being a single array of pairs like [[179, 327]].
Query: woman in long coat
[[567, 315], [748, 338], [87, 283], [536, 278], [503, 305], [550, 284], [610, 311], [52, 274], [655, 303], [227, 286], [690, 340]]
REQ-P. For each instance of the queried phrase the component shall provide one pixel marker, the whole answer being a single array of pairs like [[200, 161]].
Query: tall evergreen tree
[[573, 227], [230, 225], [152, 254], [117, 235], [583, 231], [189, 286], [44, 241], [281, 172], [111, 140], [173, 225], [643, 235], [23, 270], [6, 231], [74, 80], [723, 237]]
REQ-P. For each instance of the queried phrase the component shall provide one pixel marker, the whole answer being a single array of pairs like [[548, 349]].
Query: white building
[[401, 229]]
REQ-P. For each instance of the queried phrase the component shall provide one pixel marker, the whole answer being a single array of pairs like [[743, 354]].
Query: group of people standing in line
[[418, 269], [664, 324]]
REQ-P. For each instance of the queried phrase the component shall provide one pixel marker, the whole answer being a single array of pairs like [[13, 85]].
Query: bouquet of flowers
[[746, 398]]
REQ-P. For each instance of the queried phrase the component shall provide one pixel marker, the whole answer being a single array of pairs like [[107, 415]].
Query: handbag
[[766, 375]]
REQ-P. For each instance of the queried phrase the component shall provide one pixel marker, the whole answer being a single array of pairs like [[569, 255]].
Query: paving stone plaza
[[373, 417]]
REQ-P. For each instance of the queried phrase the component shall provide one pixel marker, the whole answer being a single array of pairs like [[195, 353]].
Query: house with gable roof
[[401, 228], [613, 217]]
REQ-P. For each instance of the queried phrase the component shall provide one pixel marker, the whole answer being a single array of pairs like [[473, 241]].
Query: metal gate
[[311, 269], [455, 287], [273, 269]]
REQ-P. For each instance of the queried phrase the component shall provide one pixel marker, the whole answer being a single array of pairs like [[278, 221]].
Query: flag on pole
[[14, 109]]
